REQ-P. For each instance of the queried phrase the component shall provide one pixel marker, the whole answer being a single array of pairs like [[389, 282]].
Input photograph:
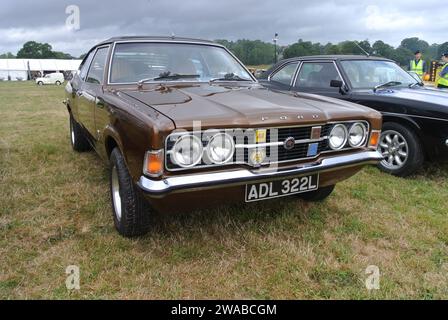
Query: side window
[[285, 74], [85, 66], [317, 75], [96, 71]]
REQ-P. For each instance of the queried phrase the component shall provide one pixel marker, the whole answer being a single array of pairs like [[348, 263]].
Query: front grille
[[298, 133], [300, 150]]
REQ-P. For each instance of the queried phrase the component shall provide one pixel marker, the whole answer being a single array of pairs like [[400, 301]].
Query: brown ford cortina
[[183, 123]]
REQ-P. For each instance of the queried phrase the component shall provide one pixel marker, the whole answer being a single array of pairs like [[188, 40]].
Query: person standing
[[443, 75], [418, 65]]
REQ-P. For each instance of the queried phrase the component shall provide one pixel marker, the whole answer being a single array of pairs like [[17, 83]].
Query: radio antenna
[[361, 48]]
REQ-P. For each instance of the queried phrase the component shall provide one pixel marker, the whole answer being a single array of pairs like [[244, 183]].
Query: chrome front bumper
[[198, 181]]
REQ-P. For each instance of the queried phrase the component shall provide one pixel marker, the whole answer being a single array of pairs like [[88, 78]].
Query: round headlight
[[357, 134], [187, 151], [337, 137], [220, 148]]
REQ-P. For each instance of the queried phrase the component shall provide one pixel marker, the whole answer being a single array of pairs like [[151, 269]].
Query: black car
[[415, 118]]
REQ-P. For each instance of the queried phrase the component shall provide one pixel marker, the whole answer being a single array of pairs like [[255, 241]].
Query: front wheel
[[58, 83], [401, 149], [40, 83], [131, 212], [318, 195]]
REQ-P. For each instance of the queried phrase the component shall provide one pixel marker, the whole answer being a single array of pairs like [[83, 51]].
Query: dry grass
[[55, 211]]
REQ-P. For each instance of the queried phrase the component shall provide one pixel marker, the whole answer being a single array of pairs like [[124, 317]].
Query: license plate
[[281, 188]]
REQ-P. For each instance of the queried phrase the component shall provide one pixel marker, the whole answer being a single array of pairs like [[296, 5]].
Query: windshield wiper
[[168, 76], [387, 84], [230, 77], [412, 85]]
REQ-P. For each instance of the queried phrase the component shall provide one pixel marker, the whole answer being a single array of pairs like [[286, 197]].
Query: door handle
[[99, 102]]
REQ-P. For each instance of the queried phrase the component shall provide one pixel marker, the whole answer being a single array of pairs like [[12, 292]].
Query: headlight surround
[[220, 148], [187, 151], [357, 134], [338, 137]]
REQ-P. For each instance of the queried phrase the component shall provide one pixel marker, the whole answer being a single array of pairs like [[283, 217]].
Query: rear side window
[[317, 75], [85, 65], [96, 71], [285, 74]]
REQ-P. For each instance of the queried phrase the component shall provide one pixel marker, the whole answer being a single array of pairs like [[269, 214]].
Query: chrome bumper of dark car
[[198, 181]]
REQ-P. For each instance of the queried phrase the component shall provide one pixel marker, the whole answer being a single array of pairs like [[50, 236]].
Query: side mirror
[[336, 83], [339, 84]]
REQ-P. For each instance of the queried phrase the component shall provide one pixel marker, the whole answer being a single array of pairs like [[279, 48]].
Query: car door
[[82, 108], [91, 90], [282, 78], [315, 77]]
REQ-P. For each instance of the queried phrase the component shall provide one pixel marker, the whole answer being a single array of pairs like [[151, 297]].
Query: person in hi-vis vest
[[418, 65], [443, 75]]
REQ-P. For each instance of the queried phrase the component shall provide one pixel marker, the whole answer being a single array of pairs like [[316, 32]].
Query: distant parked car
[[56, 78], [415, 118]]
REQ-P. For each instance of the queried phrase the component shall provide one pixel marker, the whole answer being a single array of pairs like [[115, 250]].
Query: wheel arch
[[408, 123], [111, 141]]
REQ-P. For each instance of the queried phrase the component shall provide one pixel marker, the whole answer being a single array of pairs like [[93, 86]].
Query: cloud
[[391, 21], [323, 21]]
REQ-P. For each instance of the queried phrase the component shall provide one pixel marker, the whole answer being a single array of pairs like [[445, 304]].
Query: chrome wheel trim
[[394, 148], [72, 133], [115, 188]]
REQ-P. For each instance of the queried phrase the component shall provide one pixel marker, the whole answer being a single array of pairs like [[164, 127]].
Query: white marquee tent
[[17, 69]]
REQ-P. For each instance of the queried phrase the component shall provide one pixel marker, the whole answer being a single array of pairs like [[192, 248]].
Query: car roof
[[336, 57], [155, 38]]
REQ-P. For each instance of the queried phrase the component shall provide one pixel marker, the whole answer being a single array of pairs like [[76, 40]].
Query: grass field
[[55, 212]]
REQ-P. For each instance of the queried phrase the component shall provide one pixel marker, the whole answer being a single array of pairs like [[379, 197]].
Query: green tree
[[251, 52], [383, 50], [7, 55], [402, 56], [35, 50], [414, 44], [443, 48], [62, 55], [350, 47], [330, 48], [302, 48], [431, 53]]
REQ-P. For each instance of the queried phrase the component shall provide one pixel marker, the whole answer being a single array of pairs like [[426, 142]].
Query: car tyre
[[40, 83], [318, 195], [58, 83], [131, 211], [401, 148], [78, 140]]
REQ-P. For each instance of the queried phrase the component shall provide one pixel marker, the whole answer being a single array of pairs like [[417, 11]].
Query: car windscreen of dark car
[[367, 74], [133, 62]]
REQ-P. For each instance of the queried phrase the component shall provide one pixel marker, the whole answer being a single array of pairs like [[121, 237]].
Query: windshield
[[367, 74], [133, 62]]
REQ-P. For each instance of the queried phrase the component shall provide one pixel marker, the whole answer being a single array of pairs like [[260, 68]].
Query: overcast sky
[[323, 21]]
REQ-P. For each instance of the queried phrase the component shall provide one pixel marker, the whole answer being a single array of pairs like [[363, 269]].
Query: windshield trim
[[254, 80], [367, 88]]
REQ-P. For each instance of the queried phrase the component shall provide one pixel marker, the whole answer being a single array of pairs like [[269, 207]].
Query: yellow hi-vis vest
[[443, 80], [417, 68]]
